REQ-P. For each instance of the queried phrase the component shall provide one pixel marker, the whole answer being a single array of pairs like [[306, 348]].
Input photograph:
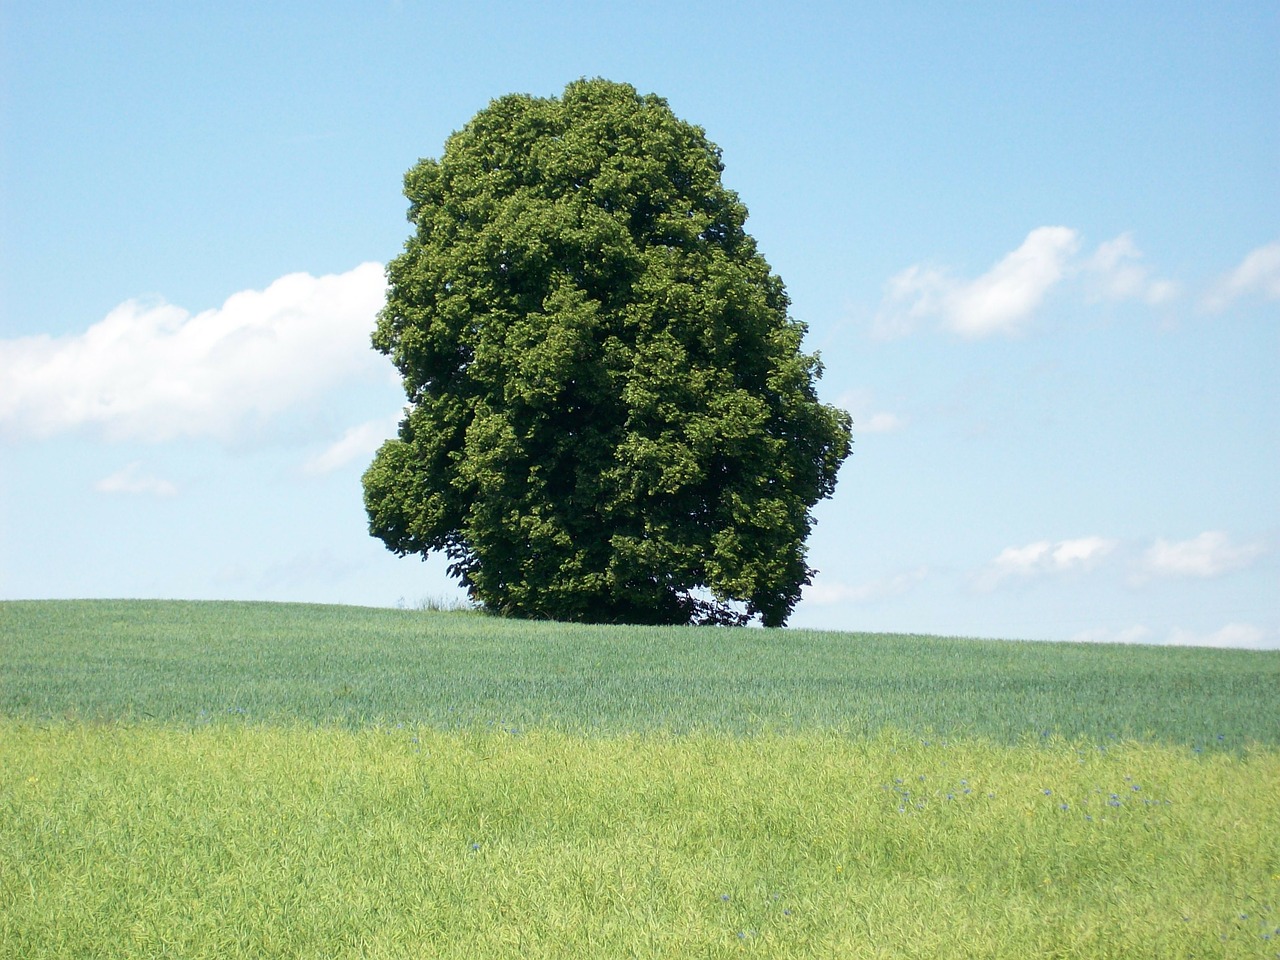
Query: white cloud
[[1257, 275], [882, 422], [1022, 561], [1232, 635], [358, 443], [1045, 558], [132, 480], [866, 419], [1209, 555], [915, 294], [1115, 272], [824, 592], [999, 301], [154, 372], [1080, 554], [1004, 299]]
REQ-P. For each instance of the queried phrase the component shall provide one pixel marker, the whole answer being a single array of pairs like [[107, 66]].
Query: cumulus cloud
[[1257, 275], [1211, 554], [1115, 272], [1002, 299], [916, 294], [153, 372], [826, 592], [999, 301], [1005, 298], [132, 480], [866, 419], [358, 443], [882, 422], [1044, 558], [1232, 635]]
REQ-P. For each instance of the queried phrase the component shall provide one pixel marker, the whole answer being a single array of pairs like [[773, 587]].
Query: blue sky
[[1038, 247]]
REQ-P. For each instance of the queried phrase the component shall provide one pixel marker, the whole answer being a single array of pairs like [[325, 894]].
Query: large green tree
[[610, 417]]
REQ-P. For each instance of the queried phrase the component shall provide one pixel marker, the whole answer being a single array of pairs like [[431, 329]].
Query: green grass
[[237, 780], [195, 662]]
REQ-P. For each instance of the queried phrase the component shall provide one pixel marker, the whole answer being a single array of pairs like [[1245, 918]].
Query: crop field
[[255, 780]]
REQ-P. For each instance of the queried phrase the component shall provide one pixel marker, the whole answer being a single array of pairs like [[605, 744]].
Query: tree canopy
[[610, 417]]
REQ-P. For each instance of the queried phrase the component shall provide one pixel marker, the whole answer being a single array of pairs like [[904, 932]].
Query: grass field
[[238, 780], [187, 663]]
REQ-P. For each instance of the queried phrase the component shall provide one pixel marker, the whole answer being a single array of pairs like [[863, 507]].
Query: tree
[[610, 418]]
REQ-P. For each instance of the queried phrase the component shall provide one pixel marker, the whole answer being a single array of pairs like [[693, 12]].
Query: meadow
[[256, 780]]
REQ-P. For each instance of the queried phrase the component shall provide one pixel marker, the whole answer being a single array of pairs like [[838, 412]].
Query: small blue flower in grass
[[1048, 793], [1063, 806], [724, 897], [474, 847]]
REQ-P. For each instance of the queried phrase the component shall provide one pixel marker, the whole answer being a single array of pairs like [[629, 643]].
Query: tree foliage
[[610, 417]]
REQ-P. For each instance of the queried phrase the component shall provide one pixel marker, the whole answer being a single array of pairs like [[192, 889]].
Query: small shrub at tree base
[[610, 417]]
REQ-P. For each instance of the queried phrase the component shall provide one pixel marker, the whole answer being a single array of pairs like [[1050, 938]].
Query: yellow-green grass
[[256, 840]]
